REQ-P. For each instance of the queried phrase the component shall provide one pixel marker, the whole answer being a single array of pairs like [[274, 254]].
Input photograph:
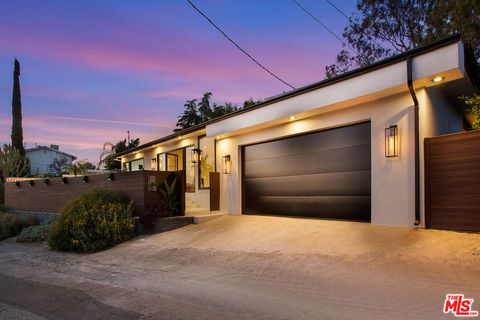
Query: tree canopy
[[107, 157], [197, 111], [382, 28]]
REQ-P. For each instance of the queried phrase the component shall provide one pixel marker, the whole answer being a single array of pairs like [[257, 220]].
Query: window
[[207, 161], [134, 165], [161, 162], [189, 170]]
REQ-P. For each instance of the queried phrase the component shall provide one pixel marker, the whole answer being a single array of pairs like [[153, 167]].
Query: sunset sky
[[91, 70]]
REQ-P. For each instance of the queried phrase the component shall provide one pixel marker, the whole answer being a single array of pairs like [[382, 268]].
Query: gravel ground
[[247, 267]]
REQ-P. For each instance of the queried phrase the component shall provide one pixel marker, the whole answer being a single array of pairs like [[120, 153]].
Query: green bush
[[34, 233], [11, 224], [93, 221]]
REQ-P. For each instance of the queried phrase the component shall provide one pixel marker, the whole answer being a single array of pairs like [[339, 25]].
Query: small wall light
[[110, 176], [391, 141], [85, 179], [291, 118], [437, 79], [196, 155], [46, 181], [17, 183], [64, 180], [226, 164], [153, 164], [30, 182]]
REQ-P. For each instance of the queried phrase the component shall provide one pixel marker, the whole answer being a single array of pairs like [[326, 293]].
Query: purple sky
[[90, 70]]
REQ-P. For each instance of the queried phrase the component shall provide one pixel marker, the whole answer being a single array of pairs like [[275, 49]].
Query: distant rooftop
[[52, 147]]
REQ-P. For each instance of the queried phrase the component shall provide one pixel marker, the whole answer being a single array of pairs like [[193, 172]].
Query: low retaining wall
[[52, 194]]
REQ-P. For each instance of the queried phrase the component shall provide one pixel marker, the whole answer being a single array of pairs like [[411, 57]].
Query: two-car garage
[[325, 174]]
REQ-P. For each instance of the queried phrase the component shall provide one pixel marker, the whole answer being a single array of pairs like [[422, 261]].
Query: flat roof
[[471, 67]]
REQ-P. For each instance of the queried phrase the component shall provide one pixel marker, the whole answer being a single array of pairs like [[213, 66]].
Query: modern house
[[350, 147], [42, 156]]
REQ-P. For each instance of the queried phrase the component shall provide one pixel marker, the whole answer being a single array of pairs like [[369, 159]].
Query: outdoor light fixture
[[391, 141], [217, 137], [110, 176], [153, 164], [291, 118], [46, 181], [196, 155], [226, 164], [437, 79], [85, 179], [30, 182], [17, 183], [64, 180]]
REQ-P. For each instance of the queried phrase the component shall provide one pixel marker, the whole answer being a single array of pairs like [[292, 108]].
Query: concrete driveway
[[247, 267]]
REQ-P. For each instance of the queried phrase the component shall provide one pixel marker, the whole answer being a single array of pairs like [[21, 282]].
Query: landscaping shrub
[[34, 233], [93, 221], [11, 224]]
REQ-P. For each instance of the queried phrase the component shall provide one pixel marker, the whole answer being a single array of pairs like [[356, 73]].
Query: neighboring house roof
[[470, 65], [38, 148]]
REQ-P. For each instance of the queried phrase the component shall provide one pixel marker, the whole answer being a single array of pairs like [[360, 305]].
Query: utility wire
[[350, 20], [239, 48], [323, 25]]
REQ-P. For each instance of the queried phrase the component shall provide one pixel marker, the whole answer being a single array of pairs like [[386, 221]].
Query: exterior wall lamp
[[196, 155], [391, 141], [17, 183], [30, 182], [64, 180], [110, 176], [46, 181], [226, 164], [85, 179], [153, 164]]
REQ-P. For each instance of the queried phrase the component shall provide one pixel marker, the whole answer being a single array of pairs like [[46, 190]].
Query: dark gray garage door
[[324, 174]]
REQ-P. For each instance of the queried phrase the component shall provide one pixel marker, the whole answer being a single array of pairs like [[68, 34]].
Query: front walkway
[[250, 268]]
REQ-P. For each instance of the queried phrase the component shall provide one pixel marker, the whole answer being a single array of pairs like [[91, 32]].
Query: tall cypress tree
[[17, 131]]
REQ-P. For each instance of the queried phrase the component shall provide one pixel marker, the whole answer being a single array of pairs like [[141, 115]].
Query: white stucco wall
[[392, 179], [40, 159]]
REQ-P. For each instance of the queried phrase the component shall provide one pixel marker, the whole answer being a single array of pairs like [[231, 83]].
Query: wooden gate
[[452, 182]]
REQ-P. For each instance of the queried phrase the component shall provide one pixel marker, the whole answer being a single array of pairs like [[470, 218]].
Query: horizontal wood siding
[[41, 197], [452, 182]]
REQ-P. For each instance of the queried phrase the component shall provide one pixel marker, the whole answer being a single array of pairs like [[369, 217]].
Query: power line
[[239, 48], [350, 20], [323, 25]]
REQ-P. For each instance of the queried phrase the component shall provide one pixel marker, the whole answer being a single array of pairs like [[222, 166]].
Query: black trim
[[417, 140], [314, 86]]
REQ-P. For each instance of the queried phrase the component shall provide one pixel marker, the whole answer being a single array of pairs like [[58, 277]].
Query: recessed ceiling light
[[437, 79], [292, 118]]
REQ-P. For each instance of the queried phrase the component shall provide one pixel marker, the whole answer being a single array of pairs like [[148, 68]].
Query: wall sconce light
[[196, 155], [30, 182], [64, 180], [110, 176], [85, 179], [226, 164], [17, 183], [46, 181], [391, 141], [153, 164]]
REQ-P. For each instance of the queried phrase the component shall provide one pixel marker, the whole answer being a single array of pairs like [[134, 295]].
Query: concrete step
[[196, 211], [204, 218], [167, 224]]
